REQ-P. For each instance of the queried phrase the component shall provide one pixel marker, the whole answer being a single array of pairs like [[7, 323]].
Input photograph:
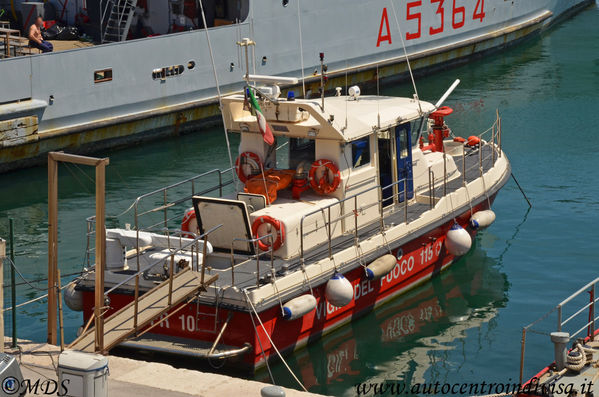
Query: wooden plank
[[152, 305], [73, 158], [52, 247]]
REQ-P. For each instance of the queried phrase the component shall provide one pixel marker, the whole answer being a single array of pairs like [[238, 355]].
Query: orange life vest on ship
[[269, 183]]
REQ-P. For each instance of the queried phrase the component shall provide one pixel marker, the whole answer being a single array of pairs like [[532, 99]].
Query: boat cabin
[[322, 157]]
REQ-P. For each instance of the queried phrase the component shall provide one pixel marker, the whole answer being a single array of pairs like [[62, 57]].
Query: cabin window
[[219, 12], [100, 76], [301, 150], [360, 152]]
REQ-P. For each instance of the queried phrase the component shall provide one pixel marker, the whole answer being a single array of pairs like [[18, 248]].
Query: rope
[[272, 379], [271, 342], [576, 362], [220, 102]]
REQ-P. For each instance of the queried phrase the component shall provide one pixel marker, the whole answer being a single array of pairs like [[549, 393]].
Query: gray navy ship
[[157, 65]]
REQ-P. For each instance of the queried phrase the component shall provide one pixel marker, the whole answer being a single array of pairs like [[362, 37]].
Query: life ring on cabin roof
[[279, 229], [247, 158], [189, 223], [324, 185]]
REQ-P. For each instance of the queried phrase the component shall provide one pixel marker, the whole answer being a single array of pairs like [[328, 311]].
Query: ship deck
[[245, 272]]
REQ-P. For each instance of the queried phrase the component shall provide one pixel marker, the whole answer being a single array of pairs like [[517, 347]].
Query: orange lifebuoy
[[459, 139], [189, 223], [277, 225], [473, 140], [247, 158], [323, 185]]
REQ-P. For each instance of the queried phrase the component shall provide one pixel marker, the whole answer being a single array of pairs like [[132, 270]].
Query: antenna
[[220, 102], [245, 42], [322, 69], [299, 24], [406, 55]]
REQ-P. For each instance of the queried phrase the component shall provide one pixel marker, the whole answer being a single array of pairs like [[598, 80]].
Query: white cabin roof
[[305, 118]]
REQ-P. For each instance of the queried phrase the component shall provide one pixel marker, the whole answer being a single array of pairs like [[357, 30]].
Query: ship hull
[[54, 95], [417, 262]]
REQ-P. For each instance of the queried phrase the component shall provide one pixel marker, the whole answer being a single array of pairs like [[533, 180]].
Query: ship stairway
[[120, 14], [150, 306]]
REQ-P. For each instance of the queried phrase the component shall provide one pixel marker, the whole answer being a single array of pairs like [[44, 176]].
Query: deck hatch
[[233, 215]]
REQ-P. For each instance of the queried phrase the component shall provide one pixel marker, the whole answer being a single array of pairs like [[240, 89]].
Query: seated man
[[35, 37]]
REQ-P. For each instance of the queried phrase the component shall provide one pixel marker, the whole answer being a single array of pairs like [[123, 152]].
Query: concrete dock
[[129, 377]]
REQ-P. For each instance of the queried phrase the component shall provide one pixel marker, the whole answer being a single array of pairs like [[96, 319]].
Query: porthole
[[191, 65], [285, 3]]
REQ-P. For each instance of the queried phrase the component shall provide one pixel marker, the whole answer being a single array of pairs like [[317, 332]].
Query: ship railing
[[589, 323], [156, 214], [256, 256], [192, 246], [490, 138]]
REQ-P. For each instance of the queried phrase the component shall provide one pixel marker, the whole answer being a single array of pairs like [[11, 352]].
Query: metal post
[[559, 318], [204, 248], [405, 202], [2, 256], [356, 217], [100, 250], [13, 284], [592, 309], [170, 280], [464, 164], [330, 244], [522, 348], [480, 158], [444, 174], [430, 189], [272, 241], [493, 146], [52, 245]]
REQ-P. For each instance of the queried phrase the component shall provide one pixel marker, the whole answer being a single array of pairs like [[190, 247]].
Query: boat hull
[[417, 261]]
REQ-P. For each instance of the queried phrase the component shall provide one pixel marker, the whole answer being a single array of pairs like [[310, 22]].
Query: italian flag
[[262, 124]]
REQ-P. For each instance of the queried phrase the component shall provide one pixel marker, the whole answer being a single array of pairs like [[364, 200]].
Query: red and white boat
[[348, 209]]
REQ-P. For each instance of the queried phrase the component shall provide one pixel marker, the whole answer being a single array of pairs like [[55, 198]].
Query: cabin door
[[403, 139]]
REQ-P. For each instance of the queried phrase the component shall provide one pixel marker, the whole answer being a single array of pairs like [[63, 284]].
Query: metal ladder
[[119, 20]]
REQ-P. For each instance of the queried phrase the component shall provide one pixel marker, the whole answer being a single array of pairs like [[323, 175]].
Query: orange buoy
[[189, 223], [324, 184], [245, 159], [473, 140], [279, 229]]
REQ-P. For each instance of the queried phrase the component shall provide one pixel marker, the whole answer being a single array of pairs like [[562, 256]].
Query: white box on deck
[[290, 213], [84, 374]]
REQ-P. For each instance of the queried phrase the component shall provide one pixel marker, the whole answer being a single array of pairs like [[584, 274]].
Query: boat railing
[[562, 319], [191, 246], [256, 256], [161, 200], [490, 138]]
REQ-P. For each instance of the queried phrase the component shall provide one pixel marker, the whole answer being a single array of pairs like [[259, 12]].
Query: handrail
[[147, 267], [590, 325], [253, 241]]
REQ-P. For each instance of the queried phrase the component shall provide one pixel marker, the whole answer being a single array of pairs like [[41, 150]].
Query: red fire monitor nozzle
[[440, 130]]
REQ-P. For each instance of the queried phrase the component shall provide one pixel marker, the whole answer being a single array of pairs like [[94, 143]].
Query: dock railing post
[[522, 349], [2, 257], [464, 164], [405, 202], [13, 282], [592, 313], [559, 318]]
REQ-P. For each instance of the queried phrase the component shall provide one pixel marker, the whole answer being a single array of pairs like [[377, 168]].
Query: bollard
[[272, 391], [560, 341]]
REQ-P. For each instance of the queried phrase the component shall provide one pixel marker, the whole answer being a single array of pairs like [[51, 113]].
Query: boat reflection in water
[[397, 340]]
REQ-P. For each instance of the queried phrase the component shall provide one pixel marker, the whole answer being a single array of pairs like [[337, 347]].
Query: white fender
[[299, 307], [458, 240], [339, 291], [73, 298], [380, 267], [482, 219]]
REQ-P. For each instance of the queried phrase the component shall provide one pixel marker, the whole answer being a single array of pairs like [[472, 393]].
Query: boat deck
[[571, 383], [245, 272]]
